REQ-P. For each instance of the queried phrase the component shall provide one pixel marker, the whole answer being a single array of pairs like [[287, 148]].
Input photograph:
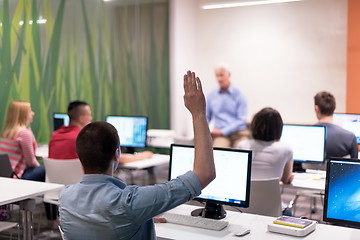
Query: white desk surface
[[156, 160], [14, 190], [310, 180], [257, 225], [42, 150]]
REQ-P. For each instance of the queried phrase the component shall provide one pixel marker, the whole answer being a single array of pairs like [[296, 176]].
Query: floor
[[46, 231]]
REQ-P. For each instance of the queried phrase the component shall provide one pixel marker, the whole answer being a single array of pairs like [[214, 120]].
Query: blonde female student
[[18, 141]]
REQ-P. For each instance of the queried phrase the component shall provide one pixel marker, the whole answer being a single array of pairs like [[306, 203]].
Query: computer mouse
[[241, 232]]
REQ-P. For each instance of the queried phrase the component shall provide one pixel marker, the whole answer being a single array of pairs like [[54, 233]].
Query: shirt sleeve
[[143, 203], [241, 113], [27, 144], [354, 149]]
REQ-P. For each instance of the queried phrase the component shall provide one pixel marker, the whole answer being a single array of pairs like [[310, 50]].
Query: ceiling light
[[244, 4]]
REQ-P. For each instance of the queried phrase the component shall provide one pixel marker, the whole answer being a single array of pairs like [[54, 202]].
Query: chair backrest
[[63, 171], [265, 197], [5, 166]]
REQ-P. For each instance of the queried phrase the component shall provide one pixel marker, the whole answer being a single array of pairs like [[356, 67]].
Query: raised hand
[[194, 97]]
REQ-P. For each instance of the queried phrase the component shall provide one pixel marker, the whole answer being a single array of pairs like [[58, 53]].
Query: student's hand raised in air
[[194, 97]]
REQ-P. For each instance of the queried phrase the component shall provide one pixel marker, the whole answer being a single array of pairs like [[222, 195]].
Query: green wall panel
[[113, 55]]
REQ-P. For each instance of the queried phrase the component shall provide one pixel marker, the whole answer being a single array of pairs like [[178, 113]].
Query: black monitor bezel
[[325, 135], [53, 115], [326, 195], [133, 116], [358, 143], [244, 204]]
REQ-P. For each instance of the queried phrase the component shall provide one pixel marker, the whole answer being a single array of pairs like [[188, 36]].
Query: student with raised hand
[[103, 207], [18, 141]]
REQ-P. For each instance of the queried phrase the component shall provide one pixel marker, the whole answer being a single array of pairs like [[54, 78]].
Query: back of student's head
[[96, 145], [325, 102], [76, 109], [17, 116], [267, 125]]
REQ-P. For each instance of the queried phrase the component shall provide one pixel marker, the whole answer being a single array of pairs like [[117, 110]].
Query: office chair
[[265, 197], [63, 172]]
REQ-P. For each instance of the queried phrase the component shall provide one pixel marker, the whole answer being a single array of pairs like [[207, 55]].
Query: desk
[[16, 190], [156, 160], [42, 150], [310, 180], [146, 164], [256, 223]]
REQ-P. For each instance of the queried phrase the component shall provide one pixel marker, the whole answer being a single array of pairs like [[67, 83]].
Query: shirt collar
[[230, 90], [102, 178]]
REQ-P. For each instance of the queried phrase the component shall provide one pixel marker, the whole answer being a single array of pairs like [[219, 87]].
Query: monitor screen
[[306, 141], [342, 192], [60, 119], [350, 122], [233, 174], [131, 130]]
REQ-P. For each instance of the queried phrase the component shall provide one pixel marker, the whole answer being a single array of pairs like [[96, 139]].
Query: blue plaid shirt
[[103, 207]]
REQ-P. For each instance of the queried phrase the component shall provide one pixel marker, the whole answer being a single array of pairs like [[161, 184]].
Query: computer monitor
[[131, 130], [231, 185], [342, 192], [60, 119], [350, 122], [306, 141]]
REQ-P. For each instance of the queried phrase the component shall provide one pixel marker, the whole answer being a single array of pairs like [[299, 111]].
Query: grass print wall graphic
[[114, 57]]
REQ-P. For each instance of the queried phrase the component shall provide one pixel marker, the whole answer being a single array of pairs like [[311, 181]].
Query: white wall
[[182, 58], [280, 55]]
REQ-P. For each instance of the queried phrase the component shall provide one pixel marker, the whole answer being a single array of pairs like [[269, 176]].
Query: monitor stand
[[130, 150], [297, 167], [211, 210]]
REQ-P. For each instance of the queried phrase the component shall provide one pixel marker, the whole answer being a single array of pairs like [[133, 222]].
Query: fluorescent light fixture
[[244, 4]]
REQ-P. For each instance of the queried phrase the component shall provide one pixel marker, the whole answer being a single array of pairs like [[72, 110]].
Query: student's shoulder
[[25, 133], [245, 145], [340, 131], [279, 146]]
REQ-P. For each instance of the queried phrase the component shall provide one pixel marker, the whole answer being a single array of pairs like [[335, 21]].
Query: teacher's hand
[[216, 132]]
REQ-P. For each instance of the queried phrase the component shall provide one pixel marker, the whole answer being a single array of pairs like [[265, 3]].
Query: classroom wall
[[280, 55], [353, 58]]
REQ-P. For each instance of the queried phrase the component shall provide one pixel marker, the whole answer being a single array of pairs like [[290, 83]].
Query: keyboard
[[191, 221]]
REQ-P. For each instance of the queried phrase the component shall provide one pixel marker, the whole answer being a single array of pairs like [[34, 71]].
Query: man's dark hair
[[96, 145], [325, 102], [267, 125], [76, 109]]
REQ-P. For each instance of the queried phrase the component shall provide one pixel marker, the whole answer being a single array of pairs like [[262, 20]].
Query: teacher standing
[[227, 106]]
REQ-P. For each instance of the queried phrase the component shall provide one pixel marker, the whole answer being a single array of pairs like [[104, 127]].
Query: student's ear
[[117, 153], [316, 108]]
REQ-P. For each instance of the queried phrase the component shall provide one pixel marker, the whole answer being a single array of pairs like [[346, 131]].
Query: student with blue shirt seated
[[103, 207], [227, 107]]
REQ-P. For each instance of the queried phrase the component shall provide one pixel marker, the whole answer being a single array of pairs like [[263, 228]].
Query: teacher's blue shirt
[[103, 207], [228, 110]]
